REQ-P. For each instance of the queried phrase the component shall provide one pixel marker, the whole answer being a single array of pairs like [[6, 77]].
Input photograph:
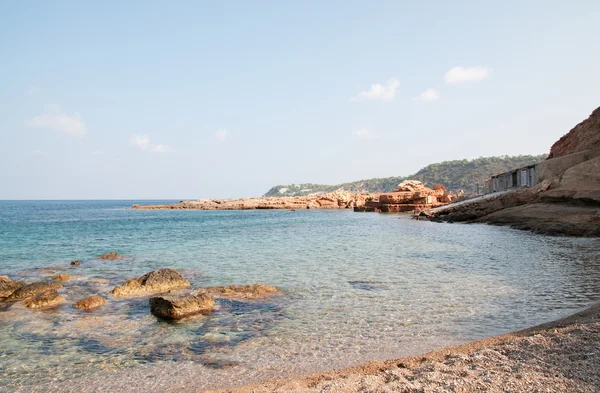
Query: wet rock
[[110, 256], [27, 291], [252, 291], [75, 263], [161, 280], [90, 303], [45, 299], [61, 277], [8, 286], [177, 307]]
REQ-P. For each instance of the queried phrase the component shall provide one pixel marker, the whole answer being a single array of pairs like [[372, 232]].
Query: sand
[[561, 356]]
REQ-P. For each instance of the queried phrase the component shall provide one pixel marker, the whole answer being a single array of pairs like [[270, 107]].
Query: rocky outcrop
[[338, 199], [410, 195], [31, 290], [61, 277], [584, 136], [157, 281], [253, 291], [178, 307], [47, 299], [90, 303], [8, 286], [110, 256]]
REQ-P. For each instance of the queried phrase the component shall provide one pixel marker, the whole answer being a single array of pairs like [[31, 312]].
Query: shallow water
[[357, 287]]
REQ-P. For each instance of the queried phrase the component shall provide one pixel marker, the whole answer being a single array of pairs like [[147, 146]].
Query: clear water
[[357, 287]]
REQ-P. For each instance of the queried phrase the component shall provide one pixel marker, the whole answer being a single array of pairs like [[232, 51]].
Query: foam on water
[[356, 287]]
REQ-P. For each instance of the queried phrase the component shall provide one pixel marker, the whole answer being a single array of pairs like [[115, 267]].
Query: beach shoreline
[[558, 356]]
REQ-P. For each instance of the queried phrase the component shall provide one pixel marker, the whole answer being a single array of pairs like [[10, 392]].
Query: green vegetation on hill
[[456, 175]]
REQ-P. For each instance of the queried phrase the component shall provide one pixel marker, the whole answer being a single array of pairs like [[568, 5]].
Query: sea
[[355, 287]]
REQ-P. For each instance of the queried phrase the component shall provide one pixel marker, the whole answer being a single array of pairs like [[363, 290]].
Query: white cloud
[[364, 133], [54, 119], [222, 135], [430, 94], [465, 74], [143, 142], [161, 149], [33, 91], [383, 92]]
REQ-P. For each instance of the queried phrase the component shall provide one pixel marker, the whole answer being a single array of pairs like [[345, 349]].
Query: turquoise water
[[356, 287]]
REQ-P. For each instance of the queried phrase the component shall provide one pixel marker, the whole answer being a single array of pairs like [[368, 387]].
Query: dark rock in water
[[46, 299], [110, 256], [8, 286], [75, 263], [253, 291], [161, 280], [177, 307], [61, 277], [90, 303], [34, 289]]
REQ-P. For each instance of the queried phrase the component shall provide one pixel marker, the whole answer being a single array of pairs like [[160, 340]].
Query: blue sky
[[196, 99]]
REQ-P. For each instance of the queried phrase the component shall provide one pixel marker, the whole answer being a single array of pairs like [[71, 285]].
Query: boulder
[[253, 291], [110, 256], [410, 186], [161, 280], [50, 298], [177, 307], [27, 291], [61, 277], [75, 263], [8, 286], [90, 303]]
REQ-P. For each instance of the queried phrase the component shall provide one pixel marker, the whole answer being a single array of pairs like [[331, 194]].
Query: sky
[[182, 100]]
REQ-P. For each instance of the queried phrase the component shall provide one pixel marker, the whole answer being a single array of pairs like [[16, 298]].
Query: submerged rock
[[8, 286], [31, 290], [45, 299], [90, 303], [252, 291], [110, 256], [161, 280], [75, 263], [61, 277], [177, 307]]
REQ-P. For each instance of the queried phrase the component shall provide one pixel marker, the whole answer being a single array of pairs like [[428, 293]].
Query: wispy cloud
[[33, 91], [460, 74], [143, 142], [55, 119], [430, 94], [364, 133], [222, 135], [382, 92]]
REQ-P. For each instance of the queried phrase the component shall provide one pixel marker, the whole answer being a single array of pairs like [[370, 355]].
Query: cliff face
[[584, 136]]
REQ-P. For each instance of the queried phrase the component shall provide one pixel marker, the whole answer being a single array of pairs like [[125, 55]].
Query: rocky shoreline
[[560, 356]]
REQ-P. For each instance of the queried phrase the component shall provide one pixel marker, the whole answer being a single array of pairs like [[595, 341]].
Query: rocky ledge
[[338, 199]]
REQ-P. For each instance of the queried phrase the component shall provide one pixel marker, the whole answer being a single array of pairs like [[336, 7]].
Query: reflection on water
[[357, 287]]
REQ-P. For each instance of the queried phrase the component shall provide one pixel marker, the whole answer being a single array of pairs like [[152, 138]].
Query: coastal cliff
[[566, 202]]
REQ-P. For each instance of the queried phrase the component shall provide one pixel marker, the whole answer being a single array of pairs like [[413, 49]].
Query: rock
[[31, 290], [50, 298], [61, 277], [584, 136], [161, 280], [90, 303], [410, 186], [8, 286], [253, 291], [177, 307], [75, 263], [110, 256]]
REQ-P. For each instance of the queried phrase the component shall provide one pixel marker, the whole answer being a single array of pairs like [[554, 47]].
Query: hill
[[467, 175]]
